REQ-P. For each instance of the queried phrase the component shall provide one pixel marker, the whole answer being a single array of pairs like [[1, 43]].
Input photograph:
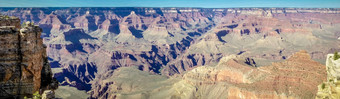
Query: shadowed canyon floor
[[104, 51]]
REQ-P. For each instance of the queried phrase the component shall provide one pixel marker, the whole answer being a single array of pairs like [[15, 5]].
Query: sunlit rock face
[[330, 88], [86, 43]]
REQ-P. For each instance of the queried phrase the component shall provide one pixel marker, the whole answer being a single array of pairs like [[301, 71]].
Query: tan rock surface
[[330, 89]]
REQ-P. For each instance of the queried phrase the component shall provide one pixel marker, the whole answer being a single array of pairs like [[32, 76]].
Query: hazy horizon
[[175, 3]]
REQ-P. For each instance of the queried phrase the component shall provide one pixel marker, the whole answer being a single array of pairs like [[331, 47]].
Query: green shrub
[[323, 86], [6, 17], [36, 95], [336, 56], [23, 24]]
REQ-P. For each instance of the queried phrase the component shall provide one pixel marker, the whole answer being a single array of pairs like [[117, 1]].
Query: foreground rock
[[331, 88], [48, 94], [23, 61]]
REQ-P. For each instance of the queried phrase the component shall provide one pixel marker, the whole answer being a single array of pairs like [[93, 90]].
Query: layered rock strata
[[23, 60], [86, 43], [295, 78]]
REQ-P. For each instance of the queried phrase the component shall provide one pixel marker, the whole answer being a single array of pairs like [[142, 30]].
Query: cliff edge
[[331, 88], [23, 61]]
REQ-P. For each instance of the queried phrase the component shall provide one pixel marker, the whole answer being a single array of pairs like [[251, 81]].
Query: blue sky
[[172, 3]]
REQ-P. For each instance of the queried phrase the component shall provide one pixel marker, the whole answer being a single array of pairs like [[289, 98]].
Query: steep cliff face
[[23, 59], [331, 88]]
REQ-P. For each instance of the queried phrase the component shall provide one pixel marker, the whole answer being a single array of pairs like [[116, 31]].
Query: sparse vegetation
[[23, 24], [336, 56], [323, 85], [6, 17], [36, 95]]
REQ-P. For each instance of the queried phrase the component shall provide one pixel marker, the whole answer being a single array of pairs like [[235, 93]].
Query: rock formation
[[86, 43], [23, 60], [296, 77], [331, 88]]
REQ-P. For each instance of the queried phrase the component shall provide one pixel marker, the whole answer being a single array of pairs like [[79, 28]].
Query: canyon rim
[[169, 52]]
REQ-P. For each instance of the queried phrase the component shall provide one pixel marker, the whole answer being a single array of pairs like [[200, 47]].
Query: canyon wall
[[295, 78], [86, 43], [23, 59]]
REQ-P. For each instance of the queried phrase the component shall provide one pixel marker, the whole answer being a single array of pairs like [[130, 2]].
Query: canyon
[[294, 78], [100, 50]]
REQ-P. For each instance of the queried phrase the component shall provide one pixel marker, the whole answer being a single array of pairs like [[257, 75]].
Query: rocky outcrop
[[23, 60], [9, 21], [330, 89]]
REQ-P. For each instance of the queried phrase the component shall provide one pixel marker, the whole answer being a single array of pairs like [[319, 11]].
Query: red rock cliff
[[23, 59]]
